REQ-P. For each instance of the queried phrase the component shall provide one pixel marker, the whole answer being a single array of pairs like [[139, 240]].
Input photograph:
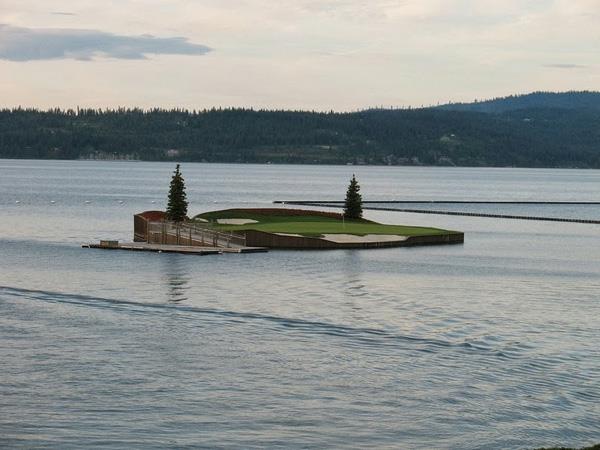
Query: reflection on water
[[353, 273], [176, 276]]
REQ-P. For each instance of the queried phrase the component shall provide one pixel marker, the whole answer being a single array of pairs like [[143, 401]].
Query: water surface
[[490, 344]]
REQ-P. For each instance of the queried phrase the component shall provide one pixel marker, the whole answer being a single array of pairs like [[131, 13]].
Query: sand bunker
[[351, 238], [236, 221]]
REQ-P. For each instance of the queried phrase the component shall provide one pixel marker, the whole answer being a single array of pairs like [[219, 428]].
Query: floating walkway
[[164, 248], [339, 204], [446, 202]]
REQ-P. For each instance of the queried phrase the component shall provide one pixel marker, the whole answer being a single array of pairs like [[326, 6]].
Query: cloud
[[566, 66], [27, 44]]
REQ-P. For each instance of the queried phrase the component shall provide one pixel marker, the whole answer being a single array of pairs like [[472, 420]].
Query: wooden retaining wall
[[262, 239]]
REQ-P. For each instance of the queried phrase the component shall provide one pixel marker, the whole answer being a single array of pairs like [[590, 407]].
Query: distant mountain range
[[562, 100], [541, 129]]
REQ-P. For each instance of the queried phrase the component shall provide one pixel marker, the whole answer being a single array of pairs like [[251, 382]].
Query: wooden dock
[[163, 248]]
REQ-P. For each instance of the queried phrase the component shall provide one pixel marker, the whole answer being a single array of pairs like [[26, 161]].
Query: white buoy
[[121, 201], [17, 202], [52, 201], [87, 202], [153, 201]]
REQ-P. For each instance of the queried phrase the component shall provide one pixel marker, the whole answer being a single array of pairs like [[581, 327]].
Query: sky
[[339, 55]]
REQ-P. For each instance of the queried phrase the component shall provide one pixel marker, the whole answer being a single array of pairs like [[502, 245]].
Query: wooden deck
[[184, 249]]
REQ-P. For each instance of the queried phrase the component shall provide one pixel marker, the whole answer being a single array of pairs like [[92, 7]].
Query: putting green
[[306, 223]]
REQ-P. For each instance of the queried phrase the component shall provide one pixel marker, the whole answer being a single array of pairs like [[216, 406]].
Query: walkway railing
[[192, 234]]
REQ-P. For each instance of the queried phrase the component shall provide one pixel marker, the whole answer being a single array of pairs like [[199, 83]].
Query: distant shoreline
[[539, 130], [299, 164]]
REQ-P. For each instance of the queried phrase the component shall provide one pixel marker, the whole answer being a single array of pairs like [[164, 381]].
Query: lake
[[491, 344]]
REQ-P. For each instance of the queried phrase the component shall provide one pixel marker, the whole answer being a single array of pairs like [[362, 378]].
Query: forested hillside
[[563, 100], [532, 137]]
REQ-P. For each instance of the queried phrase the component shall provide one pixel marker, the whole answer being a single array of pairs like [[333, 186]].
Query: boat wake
[[353, 335]]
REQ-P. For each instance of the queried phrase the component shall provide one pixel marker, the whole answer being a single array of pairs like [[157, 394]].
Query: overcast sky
[[299, 54]]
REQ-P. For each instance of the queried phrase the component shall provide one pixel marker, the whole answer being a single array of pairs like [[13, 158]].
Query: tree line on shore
[[534, 137]]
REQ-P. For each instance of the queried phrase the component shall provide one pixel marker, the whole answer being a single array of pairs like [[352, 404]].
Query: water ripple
[[366, 336]]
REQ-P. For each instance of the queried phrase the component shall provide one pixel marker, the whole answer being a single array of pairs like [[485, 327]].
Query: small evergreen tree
[[353, 205], [177, 205]]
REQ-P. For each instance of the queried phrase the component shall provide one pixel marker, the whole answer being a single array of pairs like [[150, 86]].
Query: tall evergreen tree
[[353, 205], [177, 204]]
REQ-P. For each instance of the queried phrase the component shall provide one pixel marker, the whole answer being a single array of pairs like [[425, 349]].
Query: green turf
[[311, 225]]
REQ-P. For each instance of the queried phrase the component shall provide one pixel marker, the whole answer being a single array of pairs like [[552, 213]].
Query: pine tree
[[177, 205], [353, 205]]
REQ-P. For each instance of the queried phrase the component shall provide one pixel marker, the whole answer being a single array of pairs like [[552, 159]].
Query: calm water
[[491, 344]]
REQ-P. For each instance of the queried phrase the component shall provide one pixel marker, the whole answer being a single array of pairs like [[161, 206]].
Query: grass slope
[[310, 225]]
